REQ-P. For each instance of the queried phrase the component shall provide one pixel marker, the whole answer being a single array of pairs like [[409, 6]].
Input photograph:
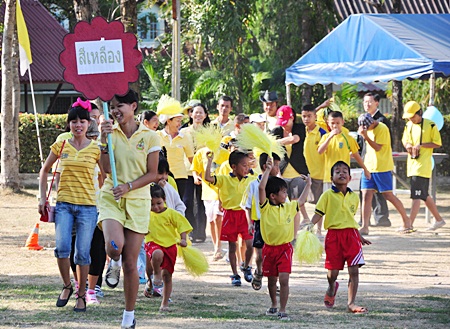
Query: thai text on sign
[[104, 56]]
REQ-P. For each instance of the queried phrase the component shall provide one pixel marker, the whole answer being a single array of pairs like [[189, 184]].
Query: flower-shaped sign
[[100, 59]]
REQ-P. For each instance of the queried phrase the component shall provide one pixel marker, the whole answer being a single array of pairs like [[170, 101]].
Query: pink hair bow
[[84, 104]]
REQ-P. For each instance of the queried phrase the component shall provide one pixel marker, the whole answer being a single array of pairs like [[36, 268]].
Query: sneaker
[[436, 225], [235, 280], [130, 327], [142, 280], [112, 276], [247, 273], [91, 298], [99, 292], [157, 289]]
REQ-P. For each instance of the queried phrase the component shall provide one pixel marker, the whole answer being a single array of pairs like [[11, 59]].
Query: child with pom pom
[[166, 228], [343, 241], [279, 224]]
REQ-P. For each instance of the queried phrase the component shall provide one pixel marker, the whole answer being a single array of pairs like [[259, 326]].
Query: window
[[147, 26]]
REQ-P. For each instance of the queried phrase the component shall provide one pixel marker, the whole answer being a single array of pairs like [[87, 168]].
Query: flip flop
[[359, 310], [329, 300]]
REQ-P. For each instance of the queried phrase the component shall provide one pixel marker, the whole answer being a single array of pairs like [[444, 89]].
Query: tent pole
[[432, 88], [288, 95]]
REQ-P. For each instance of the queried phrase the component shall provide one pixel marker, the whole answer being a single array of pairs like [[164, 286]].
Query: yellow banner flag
[[24, 40]]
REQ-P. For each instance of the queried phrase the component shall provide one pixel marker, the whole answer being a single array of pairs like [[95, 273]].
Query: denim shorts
[[83, 219]]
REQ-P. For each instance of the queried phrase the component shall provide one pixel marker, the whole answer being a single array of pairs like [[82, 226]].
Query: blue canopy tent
[[377, 47]]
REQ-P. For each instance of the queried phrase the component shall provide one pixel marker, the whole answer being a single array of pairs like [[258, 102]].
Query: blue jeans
[[84, 219]]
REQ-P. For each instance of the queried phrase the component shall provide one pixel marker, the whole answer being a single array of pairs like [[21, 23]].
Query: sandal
[[329, 300], [77, 309], [283, 316], [257, 280], [217, 256], [148, 290], [407, 230], [63, 302], [158, 286], [273, 311]]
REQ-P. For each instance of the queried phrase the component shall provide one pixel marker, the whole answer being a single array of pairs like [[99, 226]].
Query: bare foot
[[164, 309], [357, 309]]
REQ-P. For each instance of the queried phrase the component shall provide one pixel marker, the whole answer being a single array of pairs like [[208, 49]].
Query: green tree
[[285, 31]]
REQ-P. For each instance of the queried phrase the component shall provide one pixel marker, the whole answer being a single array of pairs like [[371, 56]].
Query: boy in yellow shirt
[[379, 162], [280, 221], [338, 145], [343, 242], [231, 189], [250, 203], [420, 137], [314, 160], [167, 227]]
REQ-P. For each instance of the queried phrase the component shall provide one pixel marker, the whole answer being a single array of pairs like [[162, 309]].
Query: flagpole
[[35, 116]]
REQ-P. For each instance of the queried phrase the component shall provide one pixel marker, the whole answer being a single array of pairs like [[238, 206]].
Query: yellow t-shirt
[[76, 185], [338, 149], [64, 136], [314, 160], [224, 168], [289, 172], [177, 148], [227, 128], [231, 190], [430, 134], [250, 199], [165, 227], [199, 163], [131, 159], [172, 182], [339, 209], [382, 160], [277, 222]]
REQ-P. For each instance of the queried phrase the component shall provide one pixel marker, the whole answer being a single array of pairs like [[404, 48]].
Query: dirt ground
[[405, 284]]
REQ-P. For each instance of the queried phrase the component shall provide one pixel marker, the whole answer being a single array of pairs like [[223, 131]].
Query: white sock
[[117, 263], [128, 317]]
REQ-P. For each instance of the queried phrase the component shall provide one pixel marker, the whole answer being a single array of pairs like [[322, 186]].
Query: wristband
[[130, 186]]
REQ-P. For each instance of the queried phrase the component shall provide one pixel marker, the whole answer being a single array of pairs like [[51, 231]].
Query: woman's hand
[[120, 190], [183, 243], [42, 206], [105, 128]]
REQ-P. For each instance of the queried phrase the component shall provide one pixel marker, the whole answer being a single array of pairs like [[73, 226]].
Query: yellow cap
[[410, 109]]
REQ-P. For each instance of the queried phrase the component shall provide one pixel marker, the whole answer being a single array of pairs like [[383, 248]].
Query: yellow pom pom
[[208, 136], [168, 106], [252, 137], [194, 260], [308, 248]]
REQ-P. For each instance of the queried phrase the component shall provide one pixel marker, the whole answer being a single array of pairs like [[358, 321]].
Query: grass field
[[405, 284]]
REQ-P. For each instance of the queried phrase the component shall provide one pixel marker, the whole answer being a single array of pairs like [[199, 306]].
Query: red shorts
[[341, 246], [169, 258], [234, 223], [277, 259]]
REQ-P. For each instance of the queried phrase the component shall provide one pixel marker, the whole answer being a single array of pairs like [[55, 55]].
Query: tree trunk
[[83, 10], [128, 10], [10, 103], [306, 45], [397, 110]]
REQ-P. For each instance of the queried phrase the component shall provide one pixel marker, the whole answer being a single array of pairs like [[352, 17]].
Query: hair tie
[[84, 104]]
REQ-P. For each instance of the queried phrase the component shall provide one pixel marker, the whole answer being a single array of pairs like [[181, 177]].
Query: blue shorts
[[380, 181]]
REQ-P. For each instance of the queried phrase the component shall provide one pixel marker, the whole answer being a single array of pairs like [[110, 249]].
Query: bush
[[50, 126]]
